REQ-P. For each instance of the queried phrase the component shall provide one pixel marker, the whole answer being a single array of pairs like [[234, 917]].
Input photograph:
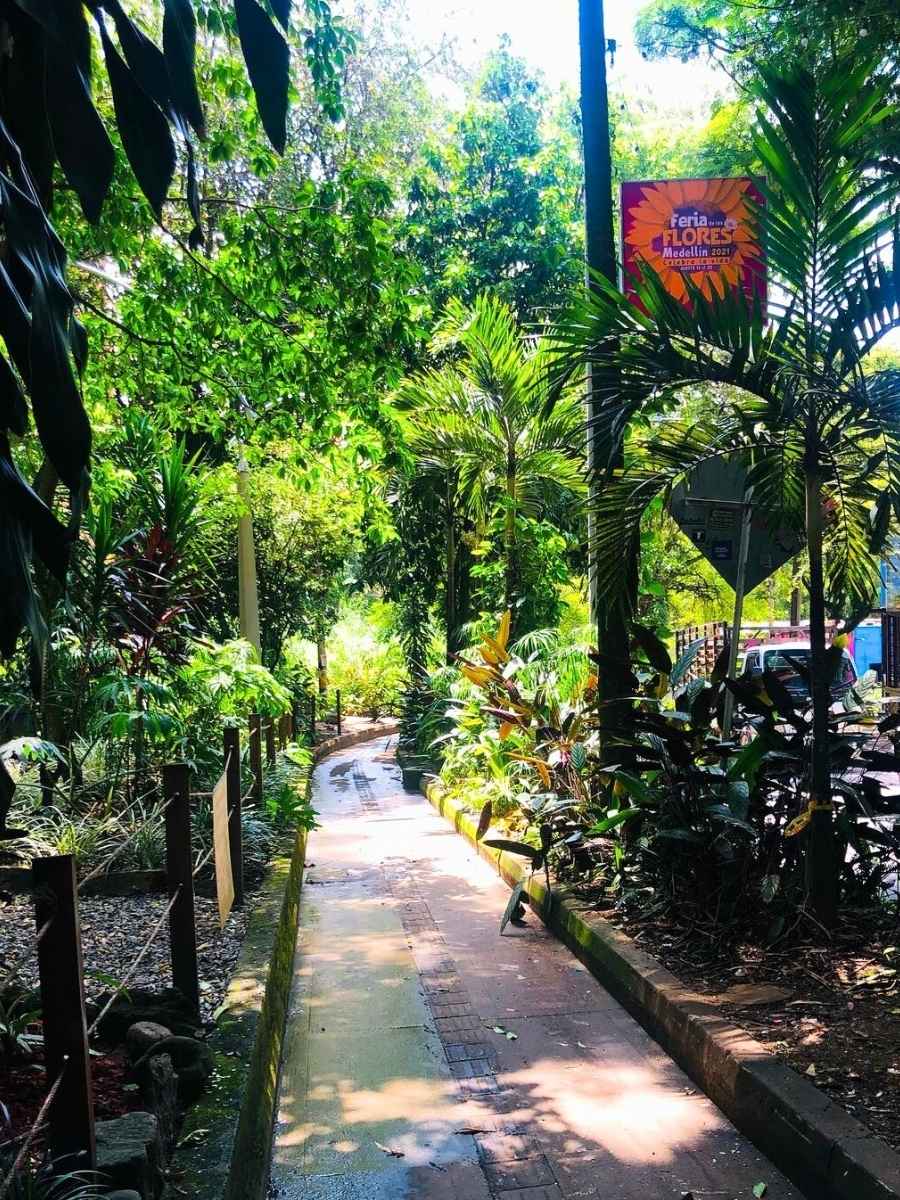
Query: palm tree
[[791, 397], [481, 420]]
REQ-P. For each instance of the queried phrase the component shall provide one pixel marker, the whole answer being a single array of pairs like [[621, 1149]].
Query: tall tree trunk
[[821, 867], [322, 662], [450, 608], [463, 587], [52, 717], [509, 542], [611, 622]]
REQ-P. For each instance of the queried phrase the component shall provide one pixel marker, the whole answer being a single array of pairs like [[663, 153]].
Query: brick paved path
[[402, 1079]]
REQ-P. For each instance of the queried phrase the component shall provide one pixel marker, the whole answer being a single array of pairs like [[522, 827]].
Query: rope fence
[[40, 1124], [135, 963], [66, 1113], [103, 868]]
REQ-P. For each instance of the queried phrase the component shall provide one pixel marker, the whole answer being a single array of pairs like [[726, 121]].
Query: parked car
[[781, 658]]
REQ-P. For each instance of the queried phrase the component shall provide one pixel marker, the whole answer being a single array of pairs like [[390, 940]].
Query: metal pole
[[61, 971], [741, 581], [232, 745], [180, 881]]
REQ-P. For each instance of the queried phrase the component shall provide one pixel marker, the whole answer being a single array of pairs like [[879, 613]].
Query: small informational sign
[[714, 527], [222, 850], [705, 230]]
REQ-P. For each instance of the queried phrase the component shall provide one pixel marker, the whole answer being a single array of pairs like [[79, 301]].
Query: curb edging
[[384, 729], [225, 1143], [813, 1141]]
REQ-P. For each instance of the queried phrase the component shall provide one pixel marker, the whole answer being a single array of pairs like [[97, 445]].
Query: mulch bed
[[23, 1087], [113, 929], [839, 1023]]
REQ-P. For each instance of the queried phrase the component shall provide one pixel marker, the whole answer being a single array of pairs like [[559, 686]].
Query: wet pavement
[[428, 1058]]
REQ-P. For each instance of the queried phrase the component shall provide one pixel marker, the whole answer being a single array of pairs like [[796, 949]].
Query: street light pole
[[612, 627]]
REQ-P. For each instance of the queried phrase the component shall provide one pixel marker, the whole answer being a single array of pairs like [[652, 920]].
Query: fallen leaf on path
[[507, 1033], [760, 1190], [388, 1150]]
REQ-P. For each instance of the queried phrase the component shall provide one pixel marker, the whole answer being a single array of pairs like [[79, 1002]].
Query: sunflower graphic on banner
[[705, 229]]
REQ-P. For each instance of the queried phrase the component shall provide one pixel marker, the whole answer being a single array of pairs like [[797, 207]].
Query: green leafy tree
[[820, 435], [481, 420], [49, 120], [304, 541], [743, 36], [495, 203]]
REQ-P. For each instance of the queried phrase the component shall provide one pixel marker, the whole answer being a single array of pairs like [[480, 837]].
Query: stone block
[[130, 1154], [159, 1091], [142, 1035]]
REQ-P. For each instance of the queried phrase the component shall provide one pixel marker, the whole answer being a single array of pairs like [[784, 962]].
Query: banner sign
[[222, 843], [701, 228], [715, 528]]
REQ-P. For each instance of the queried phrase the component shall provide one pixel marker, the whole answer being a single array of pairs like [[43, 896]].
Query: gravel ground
[[113, 930]]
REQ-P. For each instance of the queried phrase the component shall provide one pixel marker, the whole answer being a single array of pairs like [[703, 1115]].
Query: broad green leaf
[[80, 139], [268, 63], [145, 131], [657, 654], [510, 847], [515, 899], [179, 48], [613, 821]]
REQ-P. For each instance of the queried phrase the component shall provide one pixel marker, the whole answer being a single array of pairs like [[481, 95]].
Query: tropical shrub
[[661, 807], [18, 1012], [364, 659], [234, 681], [800, 407]]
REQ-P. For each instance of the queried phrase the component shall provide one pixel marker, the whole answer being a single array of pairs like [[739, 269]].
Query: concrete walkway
[[427, 1058]]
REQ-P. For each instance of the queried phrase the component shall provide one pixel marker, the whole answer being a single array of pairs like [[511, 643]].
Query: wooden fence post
[[256, 764], [61, 968], [312, 719], [270, 741], [232, 743], [337, 708], [180, 881]]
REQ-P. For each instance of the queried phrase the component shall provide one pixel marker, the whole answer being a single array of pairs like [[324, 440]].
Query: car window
[[776, 661], [784, 662]]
